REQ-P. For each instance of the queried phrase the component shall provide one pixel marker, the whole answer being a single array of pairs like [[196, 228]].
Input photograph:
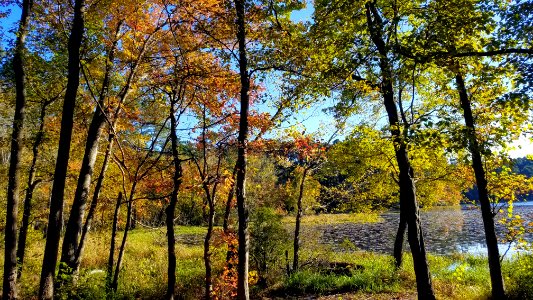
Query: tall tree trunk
[[46, 288], [9, 285], [171, 208], [408, 203], [399, 241], [75, 222], [111, 259], [94, 203], [242, 139], [298, 222], [498, 289], [32, 184]]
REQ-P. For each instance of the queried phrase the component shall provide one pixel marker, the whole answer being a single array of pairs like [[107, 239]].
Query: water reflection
[[445, 231]]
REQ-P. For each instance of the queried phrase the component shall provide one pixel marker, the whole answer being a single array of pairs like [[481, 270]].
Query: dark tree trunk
[[114, 283], [498, 289], [242, 139], [111, 259], [415, 235], [133, 222], [46, 288], [69, 253], [171, 208], [229, 201], [207, 251], [298, 221], [408, 203], [399, 241], [10, 256], [32, 184]]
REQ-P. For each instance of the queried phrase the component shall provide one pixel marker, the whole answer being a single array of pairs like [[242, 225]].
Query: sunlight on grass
[[321, 219]]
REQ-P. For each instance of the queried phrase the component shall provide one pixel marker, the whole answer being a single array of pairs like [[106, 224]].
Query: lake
[[446, 231]]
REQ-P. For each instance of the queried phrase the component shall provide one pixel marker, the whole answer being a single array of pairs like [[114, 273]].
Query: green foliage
[[368, 273], [361, 173], [519, 276], [269, 240]]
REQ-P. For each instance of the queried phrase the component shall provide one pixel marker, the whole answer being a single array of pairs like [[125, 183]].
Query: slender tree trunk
[[207, 250], [46, 288], [408, 202], [13, 190], [32, 184], [114, 283], [498, 289], [298, 222], [133, 222], [414, 233], [69, 254], [171, 208], [171, 284], [94, 203], [242, 139], [229, 201], [399, 241], [111, 259]]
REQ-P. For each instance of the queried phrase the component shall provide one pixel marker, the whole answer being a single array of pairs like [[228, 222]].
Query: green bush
[[519, 276], [269, 240]]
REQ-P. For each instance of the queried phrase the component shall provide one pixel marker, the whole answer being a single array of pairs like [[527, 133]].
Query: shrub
[[269, 240]]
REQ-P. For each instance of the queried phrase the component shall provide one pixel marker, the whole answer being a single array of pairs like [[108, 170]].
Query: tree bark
[[399, 241], [55, 219], [498, 289], [207, 251], [298, 221], [114, 283], [171, 208], [111, 259], [242, 139], [32, 184], [94, 203], [408, 202], [73, 230], [9, 285]]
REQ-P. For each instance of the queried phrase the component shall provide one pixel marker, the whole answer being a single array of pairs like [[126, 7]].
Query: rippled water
[[445, 231]]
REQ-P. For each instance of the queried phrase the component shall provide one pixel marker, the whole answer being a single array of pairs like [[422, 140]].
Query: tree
[[242, 140], [74, 237], [10, 258], [370, 72], [32, 183], [439, 42], [46, 289]]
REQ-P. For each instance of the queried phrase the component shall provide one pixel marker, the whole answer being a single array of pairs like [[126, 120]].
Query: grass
[[329, 219], [143, 275], [145, 267], [374, 274], [456, 276]]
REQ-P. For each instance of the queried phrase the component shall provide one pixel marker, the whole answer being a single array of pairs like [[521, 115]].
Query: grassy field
[[335, 218], [368, 275]]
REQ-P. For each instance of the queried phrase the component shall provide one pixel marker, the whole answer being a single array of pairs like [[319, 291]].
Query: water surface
[[446, 231]]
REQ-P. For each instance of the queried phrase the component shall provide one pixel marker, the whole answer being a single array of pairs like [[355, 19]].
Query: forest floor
[[370, 275]]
